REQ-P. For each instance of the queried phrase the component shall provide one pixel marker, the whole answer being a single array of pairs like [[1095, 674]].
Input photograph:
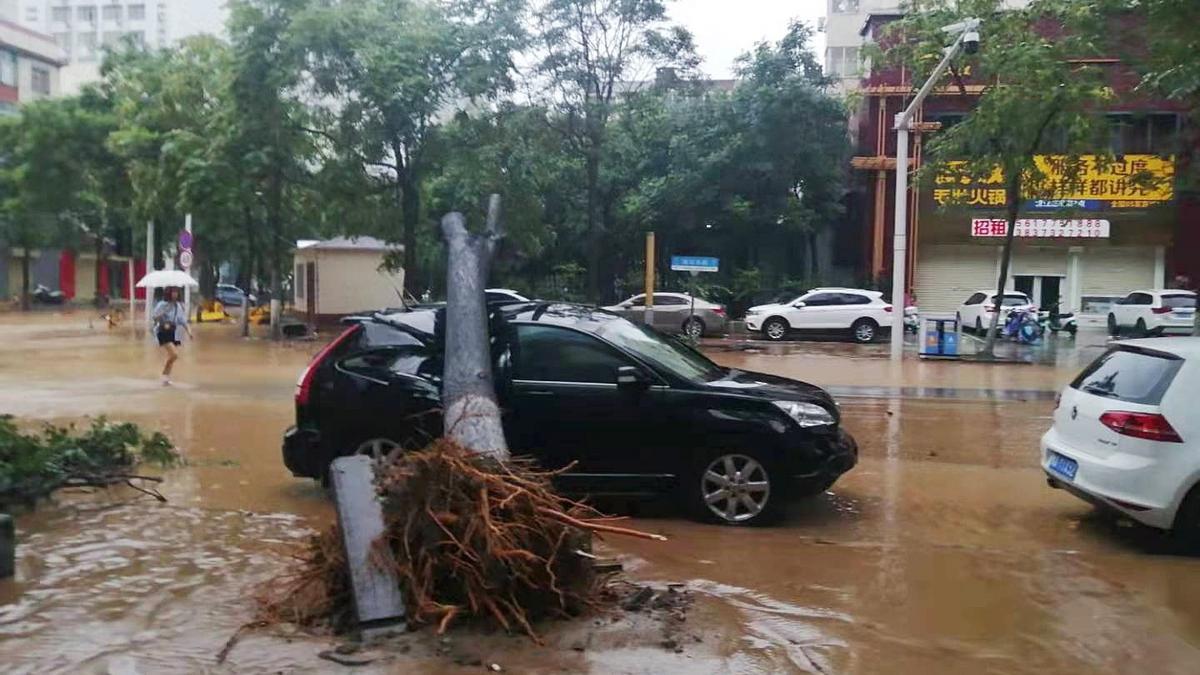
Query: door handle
[[540, 392]]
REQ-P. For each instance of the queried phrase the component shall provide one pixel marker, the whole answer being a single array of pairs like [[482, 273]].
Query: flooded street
[[943, 552]]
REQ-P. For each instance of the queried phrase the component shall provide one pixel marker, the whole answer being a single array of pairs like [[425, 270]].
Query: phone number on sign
[[1039, 227]]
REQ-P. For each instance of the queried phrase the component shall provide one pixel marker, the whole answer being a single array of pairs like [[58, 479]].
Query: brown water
[[943, 552]]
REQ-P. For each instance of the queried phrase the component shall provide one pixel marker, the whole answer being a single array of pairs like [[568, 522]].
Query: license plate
[[1063, 466]]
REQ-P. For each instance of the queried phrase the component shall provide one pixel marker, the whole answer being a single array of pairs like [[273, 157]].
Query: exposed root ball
[[470, 537]]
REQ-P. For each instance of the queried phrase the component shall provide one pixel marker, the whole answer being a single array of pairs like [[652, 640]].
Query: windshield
[[668, 354], [1179, 301], [1130, 375]]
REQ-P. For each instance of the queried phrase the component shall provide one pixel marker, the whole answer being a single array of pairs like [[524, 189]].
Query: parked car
[[976, 312], [864, 314], [1154, 313], [1126, 435], [672, 314], [231, 296], [628, 410], [503, 295]]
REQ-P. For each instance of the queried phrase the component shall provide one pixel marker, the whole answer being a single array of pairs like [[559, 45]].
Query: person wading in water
[[170, 323]]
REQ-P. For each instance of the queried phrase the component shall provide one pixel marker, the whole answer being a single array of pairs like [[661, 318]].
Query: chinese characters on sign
[[1043, 227], [1088, 182]]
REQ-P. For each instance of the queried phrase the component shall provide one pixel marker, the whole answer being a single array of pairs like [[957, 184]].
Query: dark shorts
[[166, 337]]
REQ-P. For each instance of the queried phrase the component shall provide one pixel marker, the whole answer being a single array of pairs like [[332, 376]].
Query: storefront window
[[1097, 304], [8, 68]]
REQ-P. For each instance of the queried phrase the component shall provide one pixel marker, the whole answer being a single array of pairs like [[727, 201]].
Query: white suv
[[863, 313], [1126, 435], [1154, 313], [976, 312]]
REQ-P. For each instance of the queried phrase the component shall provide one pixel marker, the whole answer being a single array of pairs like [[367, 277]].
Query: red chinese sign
[[1051, 228]]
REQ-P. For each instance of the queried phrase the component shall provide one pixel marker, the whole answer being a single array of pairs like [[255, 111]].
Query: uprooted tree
[[468, 531]]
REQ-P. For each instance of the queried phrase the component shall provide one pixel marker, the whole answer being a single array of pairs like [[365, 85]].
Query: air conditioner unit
[[820, 24]]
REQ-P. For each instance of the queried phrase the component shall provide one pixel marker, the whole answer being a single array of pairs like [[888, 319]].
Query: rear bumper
[[1172, 327], [1138, 487], [302, 452]]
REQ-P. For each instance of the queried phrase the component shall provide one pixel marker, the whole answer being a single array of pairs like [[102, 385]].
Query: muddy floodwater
[[943, 552]]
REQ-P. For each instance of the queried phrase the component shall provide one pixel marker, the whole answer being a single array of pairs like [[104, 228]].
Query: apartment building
[[29, 66]]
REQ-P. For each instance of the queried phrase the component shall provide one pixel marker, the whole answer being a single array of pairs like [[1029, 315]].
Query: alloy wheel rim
[[775, 330], [378, 448], [865, 332], [693, 329], [735, 488]]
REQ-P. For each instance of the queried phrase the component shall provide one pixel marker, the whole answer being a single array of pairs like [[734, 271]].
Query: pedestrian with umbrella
[[170, 316]]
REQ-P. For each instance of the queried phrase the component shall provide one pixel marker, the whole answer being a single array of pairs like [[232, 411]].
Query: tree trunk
[[408, 198], [595, 222], [472, 415], [1014, 208], [100, 301], [25, 278], [275, 214]]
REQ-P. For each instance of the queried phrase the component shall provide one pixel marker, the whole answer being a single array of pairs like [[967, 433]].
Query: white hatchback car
[[976, 313], [1126, 435], [863, 313], [1154, 313]]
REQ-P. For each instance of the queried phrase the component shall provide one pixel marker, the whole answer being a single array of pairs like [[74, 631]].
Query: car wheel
[[1113, 328], [978, 326], [775, 329], [1185, 534], [1141, 328], [864, 331], [693, 328], [377, 448], [734, 488]]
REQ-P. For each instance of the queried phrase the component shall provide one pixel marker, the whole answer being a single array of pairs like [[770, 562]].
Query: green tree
[[593, 54], [395, 69], [55, 177], [1037, 98]]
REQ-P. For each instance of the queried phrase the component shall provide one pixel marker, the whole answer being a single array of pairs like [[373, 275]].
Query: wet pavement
[[943, 552]]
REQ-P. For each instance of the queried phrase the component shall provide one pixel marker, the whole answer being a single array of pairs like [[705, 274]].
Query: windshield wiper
[[1092, 389]]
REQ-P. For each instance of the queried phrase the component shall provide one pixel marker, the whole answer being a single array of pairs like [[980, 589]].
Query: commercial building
[[339, 276], [1102, 235], [29, 66]]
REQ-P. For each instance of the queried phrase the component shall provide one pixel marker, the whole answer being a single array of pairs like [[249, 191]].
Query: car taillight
[[304, 384], [1161, 310], [1057, 400], [1150, 426], [989, 308], [887, 308], [719, 311]]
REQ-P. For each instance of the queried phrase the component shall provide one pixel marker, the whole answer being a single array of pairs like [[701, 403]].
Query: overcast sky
[[723, 28]]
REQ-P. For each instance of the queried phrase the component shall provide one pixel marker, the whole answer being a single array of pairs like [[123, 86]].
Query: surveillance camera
[[971, 42]]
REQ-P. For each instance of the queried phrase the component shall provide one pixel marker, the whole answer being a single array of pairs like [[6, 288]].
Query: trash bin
[[940, 338]]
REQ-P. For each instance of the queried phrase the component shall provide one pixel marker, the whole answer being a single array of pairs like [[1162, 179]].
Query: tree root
[[469, 537]]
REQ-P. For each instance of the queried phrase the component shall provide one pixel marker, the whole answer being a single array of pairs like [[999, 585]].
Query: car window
[[638, 301], [376, 334], [822, 300], [1143, 299], [553, 354], [975, 299], [665, 353], [1130, 375], [1179, 301], [853, 299], [1013, 300], [665, 300], [493, 296]]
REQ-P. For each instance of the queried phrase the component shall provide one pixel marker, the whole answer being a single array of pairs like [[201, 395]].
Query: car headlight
[[752, 311], [806, 414]]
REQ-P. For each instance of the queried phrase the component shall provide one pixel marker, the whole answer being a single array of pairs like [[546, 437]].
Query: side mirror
[[631, 377], [800, 304]]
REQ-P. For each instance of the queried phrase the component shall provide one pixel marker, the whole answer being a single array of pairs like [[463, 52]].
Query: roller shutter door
[[1116, 271], [948, 274], [1050, 262]]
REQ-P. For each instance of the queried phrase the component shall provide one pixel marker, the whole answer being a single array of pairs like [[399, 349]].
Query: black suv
[[629, 410]]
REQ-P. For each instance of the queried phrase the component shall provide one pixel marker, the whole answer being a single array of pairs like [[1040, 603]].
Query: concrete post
[[378, 599]]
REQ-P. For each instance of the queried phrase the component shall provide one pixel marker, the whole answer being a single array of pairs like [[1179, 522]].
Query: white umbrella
[[167, 279]]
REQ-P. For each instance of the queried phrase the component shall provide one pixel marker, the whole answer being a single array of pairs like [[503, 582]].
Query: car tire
[[1140, 329], [693, 328], [775, 329], [1113, 329], [864, 331], [978, 326], [756, 497], [1185, 533], [377, 447]]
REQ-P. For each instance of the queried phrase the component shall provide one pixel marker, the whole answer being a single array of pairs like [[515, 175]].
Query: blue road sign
[[693, 263]]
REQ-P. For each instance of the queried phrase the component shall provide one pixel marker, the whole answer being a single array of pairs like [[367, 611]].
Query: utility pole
[[967, 37], [149, 268], [649, 313]]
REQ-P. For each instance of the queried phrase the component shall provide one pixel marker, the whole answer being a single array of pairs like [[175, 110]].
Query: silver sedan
[[672, 314]]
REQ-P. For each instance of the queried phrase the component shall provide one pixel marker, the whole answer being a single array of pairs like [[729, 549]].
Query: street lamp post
[[966, 38]]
